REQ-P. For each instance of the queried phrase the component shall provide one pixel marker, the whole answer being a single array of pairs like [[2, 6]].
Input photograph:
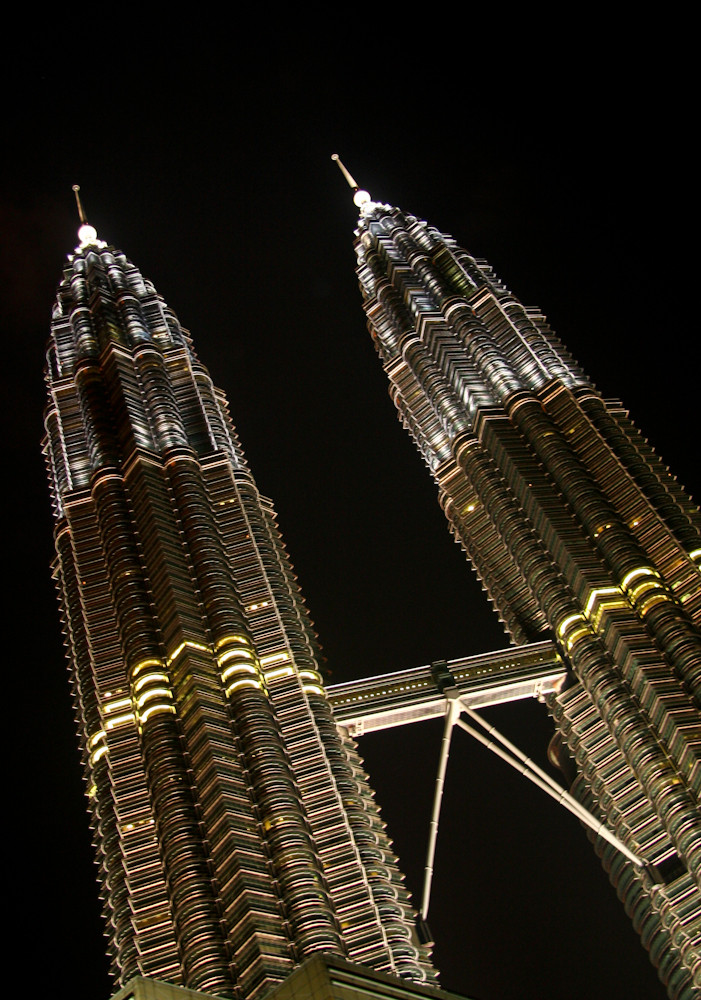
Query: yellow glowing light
[[95, 738], [151, 662], [578, 634], [312, 674], [153, 693], [117, 706], [635, 592], [635, 573], [239, 668], [148, 678], [274, 658], [314, 688], [651, 601], [100, 752], [565, 624], [155, 709], [244, 640], [271, 675], [604, 599], [246, 682], [187, 644], [239, 654], [596, 595], [616, 603], [121, 720]]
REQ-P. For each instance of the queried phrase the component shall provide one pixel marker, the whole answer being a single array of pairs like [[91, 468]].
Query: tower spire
[[360, 197], [87, 234], [81, 212]]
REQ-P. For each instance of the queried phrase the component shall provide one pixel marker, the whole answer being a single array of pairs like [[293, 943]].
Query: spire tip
[[87, 234], [360, 198], [81, 213]]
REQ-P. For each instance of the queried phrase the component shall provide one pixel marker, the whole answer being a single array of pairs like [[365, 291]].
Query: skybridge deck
[[381, 702]]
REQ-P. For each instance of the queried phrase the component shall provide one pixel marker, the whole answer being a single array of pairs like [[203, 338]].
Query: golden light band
[[188, 644], [148, 678], [641, 588], [245, 682], [152, 693], [155, 709], [121, 720], [276, 672], [116, 706], [635, 573], [100, 752], [244, 654], [150, 662], [596, 595], [310, 675], [651, 601], [567, 622], [241, 639], [239, 668], [313, 688]]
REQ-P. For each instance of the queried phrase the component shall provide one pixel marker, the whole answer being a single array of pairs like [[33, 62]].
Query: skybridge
[[449, 689], [373, 703]]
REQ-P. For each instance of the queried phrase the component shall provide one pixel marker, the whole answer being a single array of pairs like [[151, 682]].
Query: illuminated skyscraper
[[578, 533], [235, 831]]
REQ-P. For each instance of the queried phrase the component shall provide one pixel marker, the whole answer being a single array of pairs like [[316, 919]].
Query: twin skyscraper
[[236, 834]]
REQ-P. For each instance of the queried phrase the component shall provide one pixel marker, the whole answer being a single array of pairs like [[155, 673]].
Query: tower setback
[[235, 831], [579, 534]]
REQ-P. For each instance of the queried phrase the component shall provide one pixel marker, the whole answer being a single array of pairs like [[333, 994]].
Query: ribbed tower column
[[577, 531], [224, 801]]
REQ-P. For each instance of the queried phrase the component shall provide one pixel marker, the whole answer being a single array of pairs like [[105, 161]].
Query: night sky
[[208, 164]]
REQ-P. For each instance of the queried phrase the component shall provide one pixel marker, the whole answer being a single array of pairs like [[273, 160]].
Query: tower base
[[322, 977]]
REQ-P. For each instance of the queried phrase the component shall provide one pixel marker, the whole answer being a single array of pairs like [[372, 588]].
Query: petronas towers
[[235, 831]]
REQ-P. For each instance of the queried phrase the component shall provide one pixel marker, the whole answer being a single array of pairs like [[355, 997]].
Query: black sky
[[208, 163]]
